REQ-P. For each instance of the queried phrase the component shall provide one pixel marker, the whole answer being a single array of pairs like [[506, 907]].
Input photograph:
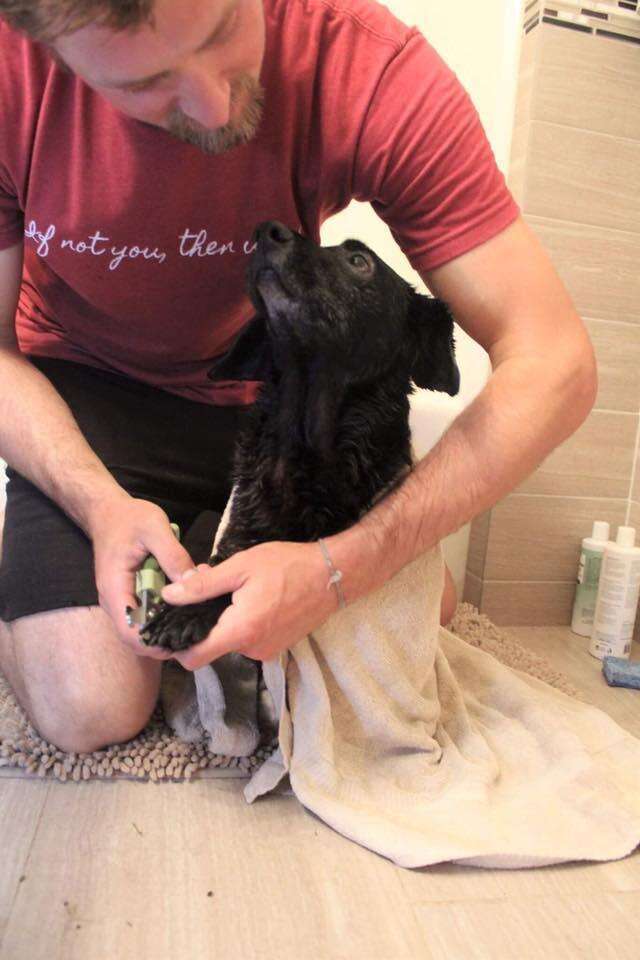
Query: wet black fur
[[337, 340]]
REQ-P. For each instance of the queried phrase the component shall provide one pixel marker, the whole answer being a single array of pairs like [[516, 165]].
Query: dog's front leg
[[178, 628]]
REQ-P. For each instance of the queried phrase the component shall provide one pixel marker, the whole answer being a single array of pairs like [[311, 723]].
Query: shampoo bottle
[[617, 597], [584, 606]]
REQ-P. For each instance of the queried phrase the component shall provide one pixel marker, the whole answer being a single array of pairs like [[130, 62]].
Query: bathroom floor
[[128, 871]]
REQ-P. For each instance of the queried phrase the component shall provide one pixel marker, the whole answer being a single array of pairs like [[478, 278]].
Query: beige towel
[[411, 742]]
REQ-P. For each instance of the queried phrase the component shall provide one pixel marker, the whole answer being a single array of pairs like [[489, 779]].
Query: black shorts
[[160, 447]]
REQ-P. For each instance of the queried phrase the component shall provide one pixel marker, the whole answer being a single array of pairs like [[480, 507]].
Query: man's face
[[194, 72]]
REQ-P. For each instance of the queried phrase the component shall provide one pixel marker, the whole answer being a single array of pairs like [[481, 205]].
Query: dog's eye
[[358, 261]]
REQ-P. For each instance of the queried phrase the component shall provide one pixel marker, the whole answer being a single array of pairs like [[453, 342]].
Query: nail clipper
[[150, 579]]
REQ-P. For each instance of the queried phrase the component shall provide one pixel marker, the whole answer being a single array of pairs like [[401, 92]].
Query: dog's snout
[[273, 234]]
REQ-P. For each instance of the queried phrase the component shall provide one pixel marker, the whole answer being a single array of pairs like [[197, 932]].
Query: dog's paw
[[178, 628]]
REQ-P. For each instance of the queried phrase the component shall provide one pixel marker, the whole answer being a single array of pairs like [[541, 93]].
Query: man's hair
[[48, 19]]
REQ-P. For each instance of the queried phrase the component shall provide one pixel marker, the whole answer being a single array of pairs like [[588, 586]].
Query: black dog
[[337, 340]]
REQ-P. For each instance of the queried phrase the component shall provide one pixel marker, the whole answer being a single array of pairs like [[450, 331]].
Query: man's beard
[[233, 134]]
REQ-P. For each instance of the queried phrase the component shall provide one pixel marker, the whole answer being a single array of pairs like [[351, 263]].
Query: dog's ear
[[250, 356], [434, 363]]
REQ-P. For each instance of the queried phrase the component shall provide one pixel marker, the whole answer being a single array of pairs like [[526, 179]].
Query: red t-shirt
[[136, 244]]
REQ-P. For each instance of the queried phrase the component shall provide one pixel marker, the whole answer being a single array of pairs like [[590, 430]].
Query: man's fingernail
[[188, 573]]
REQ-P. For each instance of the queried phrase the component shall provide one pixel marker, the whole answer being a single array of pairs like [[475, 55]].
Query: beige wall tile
[[472, 590], [634, 518], [519, 141], [596, 461], [524, 98], [586, 81], [538, 538], [583, 177], [575, 170], [478, 540], [598, 266], [529, 47], [517, 173], [528, 604], [516, 179], [617, 347], [527, 80]]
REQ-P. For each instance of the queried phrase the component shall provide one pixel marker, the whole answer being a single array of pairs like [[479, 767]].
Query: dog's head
[[341, 307]]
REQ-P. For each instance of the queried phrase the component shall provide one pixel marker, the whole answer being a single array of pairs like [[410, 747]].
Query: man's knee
[[81, 687], [78, 722], [82, 727]]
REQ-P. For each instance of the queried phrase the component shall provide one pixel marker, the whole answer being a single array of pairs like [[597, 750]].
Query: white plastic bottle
[[584, 606], [617, 597]]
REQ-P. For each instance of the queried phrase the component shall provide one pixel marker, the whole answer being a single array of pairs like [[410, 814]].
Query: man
[[141, 142]]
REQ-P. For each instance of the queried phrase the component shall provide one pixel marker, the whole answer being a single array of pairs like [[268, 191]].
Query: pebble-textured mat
[[157, 754], [478, 630]]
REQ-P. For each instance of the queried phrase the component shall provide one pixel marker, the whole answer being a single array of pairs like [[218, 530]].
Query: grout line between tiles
[[529, 583], [626, 413], [633, 476], [619, 323], [598, 133], [556, 496], [576, 223]]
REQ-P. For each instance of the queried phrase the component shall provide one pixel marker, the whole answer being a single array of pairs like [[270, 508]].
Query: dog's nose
[[273, 234]]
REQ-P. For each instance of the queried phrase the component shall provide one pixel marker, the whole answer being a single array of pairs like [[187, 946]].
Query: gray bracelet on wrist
[[335, 575]]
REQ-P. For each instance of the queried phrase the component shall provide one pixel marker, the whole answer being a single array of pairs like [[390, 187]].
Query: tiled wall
[[575, 170]]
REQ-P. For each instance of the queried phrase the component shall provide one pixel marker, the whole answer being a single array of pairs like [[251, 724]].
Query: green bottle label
[[592, 565]]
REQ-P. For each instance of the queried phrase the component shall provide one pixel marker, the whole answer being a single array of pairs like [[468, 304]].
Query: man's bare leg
[[79, 685]]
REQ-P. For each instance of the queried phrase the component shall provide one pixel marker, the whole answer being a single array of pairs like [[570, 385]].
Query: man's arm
[[507, 296], [40, 438], [38, 434]]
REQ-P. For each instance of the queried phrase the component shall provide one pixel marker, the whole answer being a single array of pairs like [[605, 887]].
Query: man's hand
[[123, 532], [279, 595]]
